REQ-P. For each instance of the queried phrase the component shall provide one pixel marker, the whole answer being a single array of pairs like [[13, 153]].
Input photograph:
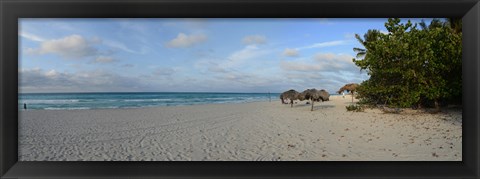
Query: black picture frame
[[12, 10]]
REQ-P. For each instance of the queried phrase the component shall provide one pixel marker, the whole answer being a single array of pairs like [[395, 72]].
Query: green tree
[[371, 35], [410, 66]]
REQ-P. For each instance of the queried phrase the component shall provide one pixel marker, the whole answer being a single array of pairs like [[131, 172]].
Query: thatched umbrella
[[282, 98], [351, 87], [324, 95], [314, 95], [290, 94]]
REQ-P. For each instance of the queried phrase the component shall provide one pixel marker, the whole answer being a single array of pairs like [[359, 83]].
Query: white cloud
[[51, 73], [73, 46], [321, 62], [299, 66], [243, 70], [32, 37], [39, 80], [324, 44], [254, 39], [290, 52], [322, 71], [247, 52], [118, 45], [182, 40], [334, 58], [241, 56]]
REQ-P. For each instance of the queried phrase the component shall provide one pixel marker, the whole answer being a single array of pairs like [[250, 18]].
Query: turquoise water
[[62, 101]]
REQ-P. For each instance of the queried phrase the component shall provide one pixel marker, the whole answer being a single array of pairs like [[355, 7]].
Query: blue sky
[[189, 55]]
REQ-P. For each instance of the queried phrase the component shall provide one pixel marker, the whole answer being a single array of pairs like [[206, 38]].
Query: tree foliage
[[410, 66]]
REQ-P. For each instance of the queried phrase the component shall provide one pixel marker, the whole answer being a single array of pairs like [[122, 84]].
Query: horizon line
[[143, 92]]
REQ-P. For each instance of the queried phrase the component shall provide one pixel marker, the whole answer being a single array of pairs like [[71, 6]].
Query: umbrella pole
[[312, 105]]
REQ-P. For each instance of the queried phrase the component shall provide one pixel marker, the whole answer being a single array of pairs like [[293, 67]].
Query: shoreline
[[142, 107], [159, 106], [67, 101], [248, 131]]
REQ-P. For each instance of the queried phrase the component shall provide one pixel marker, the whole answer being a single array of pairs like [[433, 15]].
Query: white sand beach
[[258, 131]]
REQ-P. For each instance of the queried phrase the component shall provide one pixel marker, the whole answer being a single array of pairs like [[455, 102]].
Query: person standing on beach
[[343, 94], [25, 106]]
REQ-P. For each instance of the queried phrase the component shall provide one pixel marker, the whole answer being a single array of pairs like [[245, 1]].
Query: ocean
[[68, 101]]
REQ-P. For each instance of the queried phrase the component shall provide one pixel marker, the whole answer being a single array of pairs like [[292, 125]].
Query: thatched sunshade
[[291, 95], [324, 95], [314, 95], [351, 88]]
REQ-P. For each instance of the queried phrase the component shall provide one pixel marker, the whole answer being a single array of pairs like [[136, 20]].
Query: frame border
[[12, 10]]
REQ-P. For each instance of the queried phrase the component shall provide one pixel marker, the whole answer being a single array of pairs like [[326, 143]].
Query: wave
[[70, 108], [49, 101], [79, 101], [218, 98], [143, 100]]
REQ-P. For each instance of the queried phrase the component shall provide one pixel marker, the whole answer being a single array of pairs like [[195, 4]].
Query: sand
[[258, 131]]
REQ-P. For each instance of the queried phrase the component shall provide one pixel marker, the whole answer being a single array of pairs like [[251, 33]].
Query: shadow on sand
[[315, 107]]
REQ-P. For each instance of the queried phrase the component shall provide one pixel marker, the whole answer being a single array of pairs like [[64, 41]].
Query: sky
[[190, 55]]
